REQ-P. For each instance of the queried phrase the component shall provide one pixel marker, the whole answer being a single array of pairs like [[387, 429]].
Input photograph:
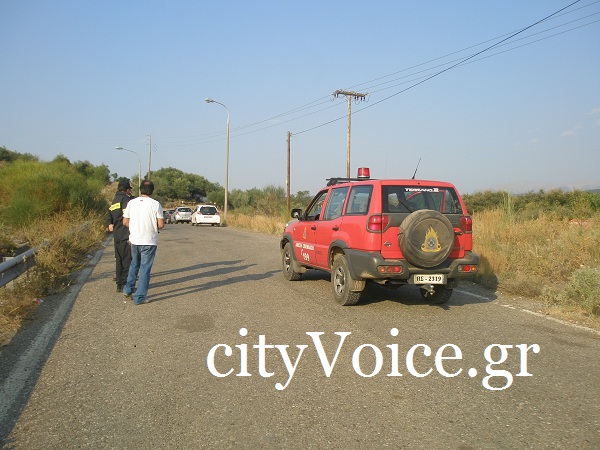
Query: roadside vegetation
[[56, 207], [542, 246]]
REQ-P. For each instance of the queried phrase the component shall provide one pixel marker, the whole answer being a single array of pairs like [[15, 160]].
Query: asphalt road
[[228, 354]]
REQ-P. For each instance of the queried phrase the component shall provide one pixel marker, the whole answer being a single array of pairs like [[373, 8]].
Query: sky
[[477, 93]]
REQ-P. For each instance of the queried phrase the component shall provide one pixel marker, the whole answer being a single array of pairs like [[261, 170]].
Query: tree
[[217, 197], [99, 173], [301, 199], [10, 156], [175, 184], [60, 158]]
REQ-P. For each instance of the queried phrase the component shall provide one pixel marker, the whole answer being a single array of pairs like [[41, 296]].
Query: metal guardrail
[[21, 263], [14, 267]]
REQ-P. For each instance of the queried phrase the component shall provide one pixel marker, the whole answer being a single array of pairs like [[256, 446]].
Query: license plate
[[430, 279]]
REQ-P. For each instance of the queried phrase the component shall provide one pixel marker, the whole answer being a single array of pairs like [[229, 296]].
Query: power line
[[461, 62], [427, 75], [479, 44], [503, 45]]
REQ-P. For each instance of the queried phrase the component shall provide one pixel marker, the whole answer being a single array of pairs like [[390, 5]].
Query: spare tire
[[426, 238]]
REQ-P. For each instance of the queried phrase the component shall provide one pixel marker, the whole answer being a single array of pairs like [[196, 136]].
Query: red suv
[[391, 232]]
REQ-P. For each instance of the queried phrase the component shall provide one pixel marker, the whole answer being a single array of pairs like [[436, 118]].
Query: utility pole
[[149, 153], [349, 96], [287, 179]]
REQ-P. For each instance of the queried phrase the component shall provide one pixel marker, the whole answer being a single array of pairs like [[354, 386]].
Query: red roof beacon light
[[364, 173]]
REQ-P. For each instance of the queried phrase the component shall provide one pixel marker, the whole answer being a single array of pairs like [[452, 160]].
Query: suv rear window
[[208, 210], [405, 199], [184, 209]]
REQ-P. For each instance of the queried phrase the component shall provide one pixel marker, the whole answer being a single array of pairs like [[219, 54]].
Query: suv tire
[[346, 290], [417, 246], [287, 262]]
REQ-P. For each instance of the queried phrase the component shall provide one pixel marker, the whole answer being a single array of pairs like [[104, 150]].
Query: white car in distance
[[206, 214]]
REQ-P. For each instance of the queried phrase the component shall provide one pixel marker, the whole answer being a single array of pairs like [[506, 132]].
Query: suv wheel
[[426, 238], [439, 296], [287, 262], [346, 290]]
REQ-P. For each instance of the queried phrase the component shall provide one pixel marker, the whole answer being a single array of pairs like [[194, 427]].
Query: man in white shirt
[[144, 217]]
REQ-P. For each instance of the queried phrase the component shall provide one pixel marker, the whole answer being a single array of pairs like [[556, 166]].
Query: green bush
[[32, 190], [484, 201], [584, 289], [532, 205]]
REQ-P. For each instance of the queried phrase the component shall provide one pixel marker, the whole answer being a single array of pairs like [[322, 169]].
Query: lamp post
[[139, 167], [210, 100]]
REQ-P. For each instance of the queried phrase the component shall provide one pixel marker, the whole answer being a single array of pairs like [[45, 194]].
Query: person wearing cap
[[114, 220]]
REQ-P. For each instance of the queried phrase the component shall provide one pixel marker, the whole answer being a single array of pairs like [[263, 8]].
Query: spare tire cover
[[426, 238]]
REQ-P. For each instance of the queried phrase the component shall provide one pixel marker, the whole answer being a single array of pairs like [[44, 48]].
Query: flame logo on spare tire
[[426, 238], [431, 243]]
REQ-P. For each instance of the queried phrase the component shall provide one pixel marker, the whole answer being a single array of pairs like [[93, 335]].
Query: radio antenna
[[415, 174]]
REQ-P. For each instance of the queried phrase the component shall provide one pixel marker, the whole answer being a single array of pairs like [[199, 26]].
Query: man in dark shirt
[[114, 221]]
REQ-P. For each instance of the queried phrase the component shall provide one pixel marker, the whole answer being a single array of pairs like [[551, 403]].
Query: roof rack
[[336, 180]]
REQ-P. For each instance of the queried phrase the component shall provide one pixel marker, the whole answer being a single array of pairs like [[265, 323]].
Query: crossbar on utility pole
[[356, 96]]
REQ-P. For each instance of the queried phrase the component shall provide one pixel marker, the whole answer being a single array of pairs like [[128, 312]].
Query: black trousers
[[123, 260]]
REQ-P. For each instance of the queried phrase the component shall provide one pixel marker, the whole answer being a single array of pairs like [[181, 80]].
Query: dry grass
[[556, 261], [257, 223], [526, 256], [72, 237], [573, 314]]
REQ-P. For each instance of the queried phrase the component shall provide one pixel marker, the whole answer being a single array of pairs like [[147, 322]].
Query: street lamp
[[210, 100], [139, 168]]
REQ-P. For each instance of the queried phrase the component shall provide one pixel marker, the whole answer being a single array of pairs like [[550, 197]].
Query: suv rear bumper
[[363, 265]]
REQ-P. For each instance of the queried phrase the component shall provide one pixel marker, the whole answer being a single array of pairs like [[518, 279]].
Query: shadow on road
[[410, 295], [464, 294], [195, 267], [196, 278]]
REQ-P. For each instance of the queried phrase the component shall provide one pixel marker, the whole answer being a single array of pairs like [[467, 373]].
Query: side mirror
[[296, 213]]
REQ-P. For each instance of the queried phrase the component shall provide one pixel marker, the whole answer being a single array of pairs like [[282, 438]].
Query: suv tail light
[[389, 269], [378, 223], [466, 223]]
